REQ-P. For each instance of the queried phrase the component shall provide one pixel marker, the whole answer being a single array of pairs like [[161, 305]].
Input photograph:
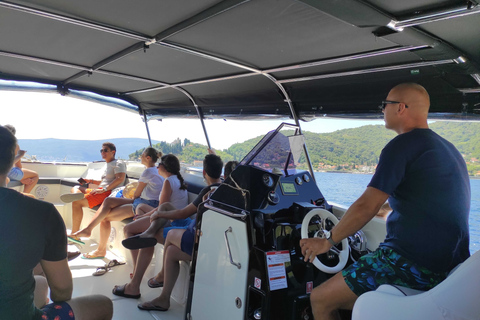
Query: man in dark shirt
[[426, 182], [33, 232]]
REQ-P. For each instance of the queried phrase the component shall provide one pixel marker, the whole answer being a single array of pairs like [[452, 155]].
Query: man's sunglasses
[[104, 150], [384, 104]]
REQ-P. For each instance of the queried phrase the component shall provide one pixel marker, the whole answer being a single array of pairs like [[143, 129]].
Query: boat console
[[247, 261]]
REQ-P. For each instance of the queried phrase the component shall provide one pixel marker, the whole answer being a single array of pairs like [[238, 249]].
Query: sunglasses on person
[[104, 150], [160, 164], [384, 104]]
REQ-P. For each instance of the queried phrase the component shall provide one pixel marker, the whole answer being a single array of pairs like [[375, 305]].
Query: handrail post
[[146, 126]]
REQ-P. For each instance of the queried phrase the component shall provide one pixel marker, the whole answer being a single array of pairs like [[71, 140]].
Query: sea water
[[345, 188]]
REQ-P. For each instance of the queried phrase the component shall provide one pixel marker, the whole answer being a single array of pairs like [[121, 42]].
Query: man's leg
[[144, 258], [172, 269], [174, 237], [330, 296], [77, 214], [93, 307], [159, 223]]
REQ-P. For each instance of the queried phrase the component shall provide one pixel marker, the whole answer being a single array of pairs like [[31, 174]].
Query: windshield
[[278, 151]]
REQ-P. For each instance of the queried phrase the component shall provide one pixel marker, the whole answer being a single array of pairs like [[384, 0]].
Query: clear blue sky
[[49, 115]]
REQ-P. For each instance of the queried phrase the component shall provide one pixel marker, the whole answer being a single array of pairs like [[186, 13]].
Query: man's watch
[[328, 236]]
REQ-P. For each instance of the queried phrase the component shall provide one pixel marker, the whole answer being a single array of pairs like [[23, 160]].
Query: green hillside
[[355, 149]]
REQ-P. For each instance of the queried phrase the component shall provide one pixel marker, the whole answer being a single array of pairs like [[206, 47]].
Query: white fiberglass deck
[[84, 283]]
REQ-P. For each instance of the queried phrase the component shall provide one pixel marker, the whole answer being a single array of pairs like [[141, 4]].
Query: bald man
[[426, 182]]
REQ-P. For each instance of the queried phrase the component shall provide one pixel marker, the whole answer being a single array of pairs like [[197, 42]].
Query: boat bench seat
[[180, 291], [454, 298]]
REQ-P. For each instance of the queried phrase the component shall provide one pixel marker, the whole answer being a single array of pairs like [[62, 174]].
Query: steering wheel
[[342, 254]]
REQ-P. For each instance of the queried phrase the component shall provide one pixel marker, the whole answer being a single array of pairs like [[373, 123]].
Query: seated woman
[[212, 169], [174, 195], [116, 209]]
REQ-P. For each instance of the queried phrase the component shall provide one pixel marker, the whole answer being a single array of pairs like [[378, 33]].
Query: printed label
[[277, 276]]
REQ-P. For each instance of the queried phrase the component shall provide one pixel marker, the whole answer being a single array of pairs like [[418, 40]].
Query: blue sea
[[345, 188]]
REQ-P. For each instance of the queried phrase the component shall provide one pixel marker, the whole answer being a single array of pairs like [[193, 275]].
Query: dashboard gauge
[[299, 181], [273, 197], [267, 180], [306, 178]]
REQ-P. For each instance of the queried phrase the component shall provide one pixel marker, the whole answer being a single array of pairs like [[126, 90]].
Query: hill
[[355, 149], [78, 150]]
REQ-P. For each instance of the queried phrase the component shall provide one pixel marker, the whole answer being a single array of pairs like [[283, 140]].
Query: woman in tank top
[[174, 193]]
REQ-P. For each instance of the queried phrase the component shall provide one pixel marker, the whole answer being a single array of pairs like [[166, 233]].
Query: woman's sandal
[[102, 270], [120, 291], [152, 283]]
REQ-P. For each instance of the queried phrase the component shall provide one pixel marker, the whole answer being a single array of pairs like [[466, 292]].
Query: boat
[[296, 60]]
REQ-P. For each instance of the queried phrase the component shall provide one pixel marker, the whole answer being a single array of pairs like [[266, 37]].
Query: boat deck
[[84, 283]]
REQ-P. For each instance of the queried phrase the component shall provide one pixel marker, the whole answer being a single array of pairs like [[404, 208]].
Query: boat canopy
[[297, 59]]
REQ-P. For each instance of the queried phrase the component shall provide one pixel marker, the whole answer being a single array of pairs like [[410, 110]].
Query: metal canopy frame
[[443, 63]]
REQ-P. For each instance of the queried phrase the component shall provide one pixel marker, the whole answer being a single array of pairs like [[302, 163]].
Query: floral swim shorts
[[385, 266], [58, 311]]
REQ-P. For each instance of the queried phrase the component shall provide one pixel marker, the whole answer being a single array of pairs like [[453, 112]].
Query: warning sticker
[[309, 287], [258, 283], [277, 276]]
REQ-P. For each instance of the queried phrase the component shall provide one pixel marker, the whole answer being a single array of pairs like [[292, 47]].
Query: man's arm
[[59, 279], [356, 217], [119, 178]]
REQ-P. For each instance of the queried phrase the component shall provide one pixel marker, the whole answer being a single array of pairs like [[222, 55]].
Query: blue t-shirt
[[427, 180]]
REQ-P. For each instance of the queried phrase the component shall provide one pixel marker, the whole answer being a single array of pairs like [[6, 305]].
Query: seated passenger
[[116, 209], [113, 176], [212, 169], [28, 178], [33, 231], [425, 180], [174, 195]]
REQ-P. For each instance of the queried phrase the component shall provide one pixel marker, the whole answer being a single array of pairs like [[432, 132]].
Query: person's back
[[179, 197], [31, 230], [431, 200]]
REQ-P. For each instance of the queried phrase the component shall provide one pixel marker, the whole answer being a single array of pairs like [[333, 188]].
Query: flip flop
[[114, 263], [120, 291], [152, 283], [100, 271], [89, 256], [72, 255], [148, 306], [136, 242], [74, 240]]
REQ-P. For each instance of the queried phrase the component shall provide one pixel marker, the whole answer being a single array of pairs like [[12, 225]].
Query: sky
[[50, 115]]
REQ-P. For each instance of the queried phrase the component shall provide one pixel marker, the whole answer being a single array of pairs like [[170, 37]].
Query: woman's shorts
[[151, 203], [385, 266], [95, 199], [188, 238], [15, 174], [57, 311], [177, 224]]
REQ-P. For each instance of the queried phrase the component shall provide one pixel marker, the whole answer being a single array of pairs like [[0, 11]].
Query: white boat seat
[[457, 297]]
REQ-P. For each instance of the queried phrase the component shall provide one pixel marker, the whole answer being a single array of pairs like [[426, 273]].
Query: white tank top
[[179, 198]]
